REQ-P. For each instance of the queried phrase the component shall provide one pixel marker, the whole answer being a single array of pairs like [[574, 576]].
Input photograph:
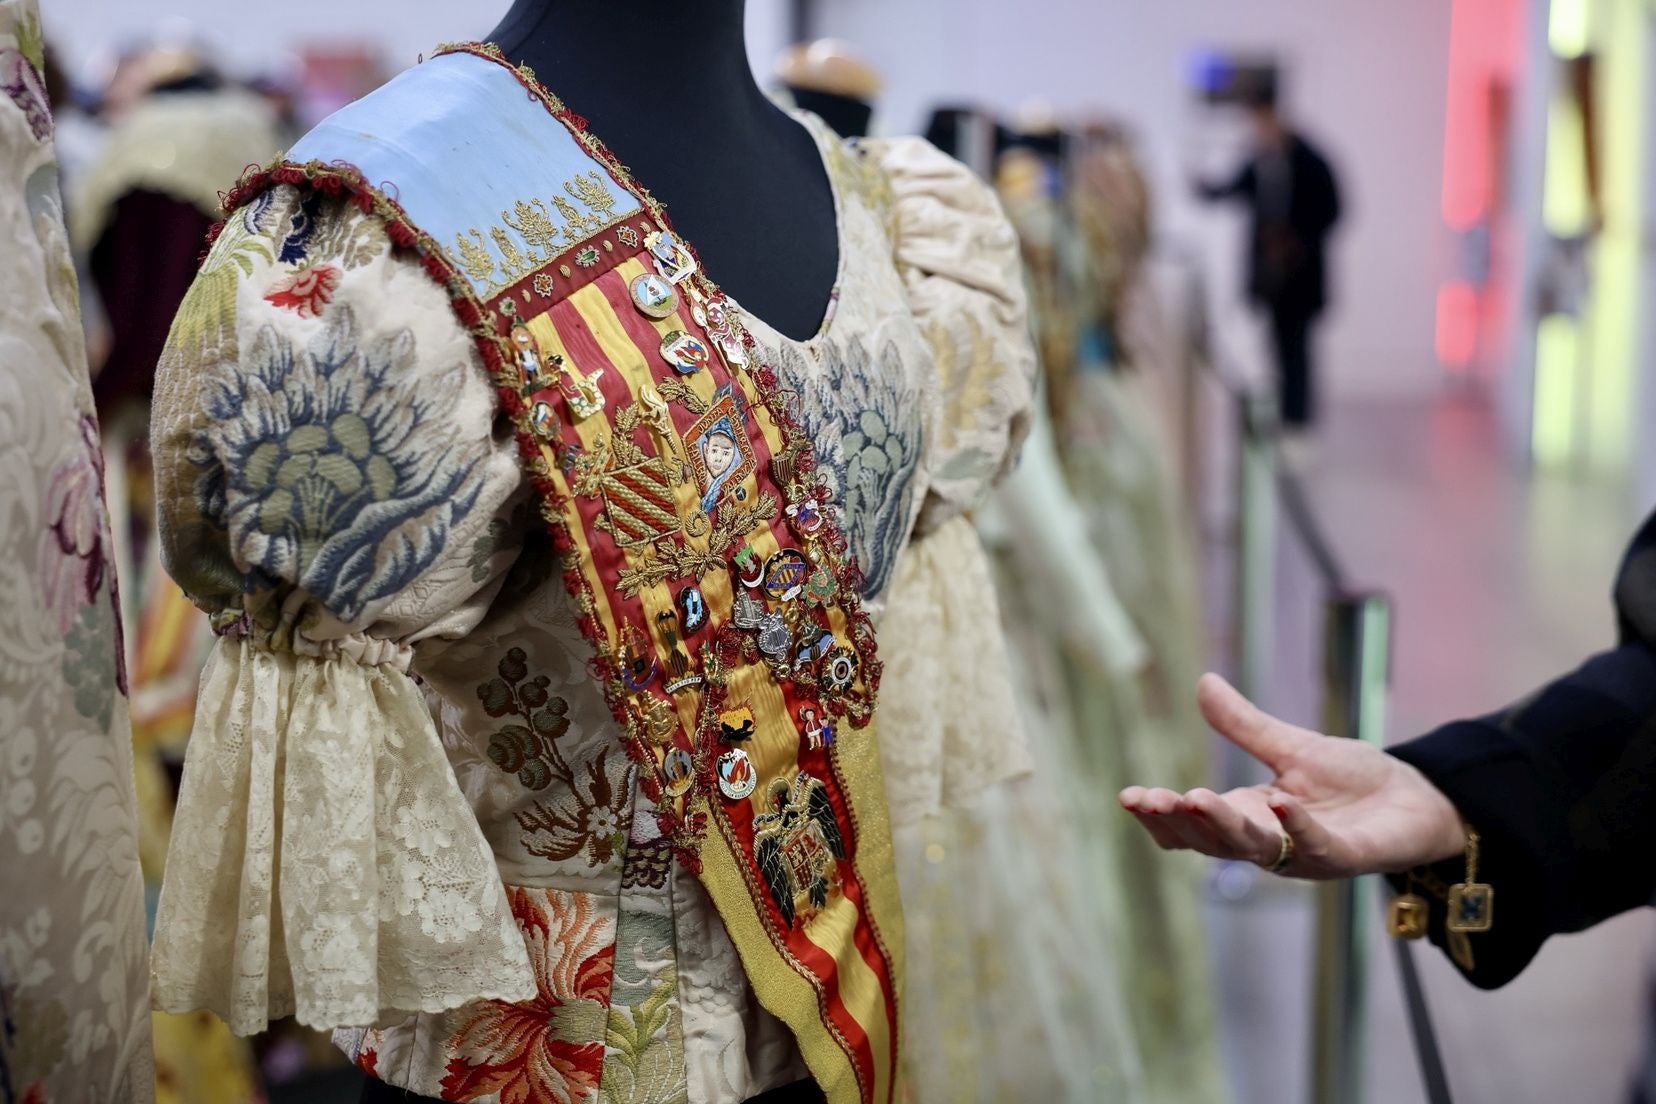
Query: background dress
[[1083, 232], [74, 993]]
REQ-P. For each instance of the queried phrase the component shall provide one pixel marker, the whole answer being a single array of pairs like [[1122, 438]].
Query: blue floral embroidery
[[337, 468], [865, 423], [296, 245]]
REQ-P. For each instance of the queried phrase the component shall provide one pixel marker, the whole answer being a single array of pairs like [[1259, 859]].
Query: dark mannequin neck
[[667, 86], [597, 53]]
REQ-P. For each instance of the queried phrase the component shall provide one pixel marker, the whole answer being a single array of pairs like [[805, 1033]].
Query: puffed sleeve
[[326, 466], [949, 722], [958, 257]]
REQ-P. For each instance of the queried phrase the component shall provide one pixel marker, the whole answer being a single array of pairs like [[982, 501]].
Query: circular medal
[[678, 770], [785, 575], [653, 295], [687, 354], [737, 778], [840, 670]]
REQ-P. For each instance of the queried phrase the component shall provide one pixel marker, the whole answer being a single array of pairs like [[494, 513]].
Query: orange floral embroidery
[[306, 291], [518, 1050]]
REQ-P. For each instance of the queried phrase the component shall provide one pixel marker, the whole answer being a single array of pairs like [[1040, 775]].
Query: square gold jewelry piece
[[1407, 917], [1471, 907]]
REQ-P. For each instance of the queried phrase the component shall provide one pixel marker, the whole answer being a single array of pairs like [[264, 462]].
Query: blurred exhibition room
[[849, 551]]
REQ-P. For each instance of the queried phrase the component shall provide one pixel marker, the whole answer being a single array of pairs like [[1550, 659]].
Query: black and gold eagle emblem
[[798, 846]]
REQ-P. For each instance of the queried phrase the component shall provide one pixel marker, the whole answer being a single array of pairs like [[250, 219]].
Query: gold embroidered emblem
[[474, 255], [512, 264], [588, 188], [534, 224], [577, 224]]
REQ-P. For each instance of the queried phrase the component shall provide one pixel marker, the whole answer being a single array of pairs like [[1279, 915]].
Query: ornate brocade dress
[[74, 1004], [416, 808]]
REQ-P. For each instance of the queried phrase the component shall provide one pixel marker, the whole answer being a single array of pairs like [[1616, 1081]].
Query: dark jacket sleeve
[[1562, 789], [1241, 186]]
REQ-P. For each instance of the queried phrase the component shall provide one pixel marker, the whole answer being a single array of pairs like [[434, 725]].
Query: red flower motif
[[34, 1094], [367, 1061], [549, 1050], [306, 291]]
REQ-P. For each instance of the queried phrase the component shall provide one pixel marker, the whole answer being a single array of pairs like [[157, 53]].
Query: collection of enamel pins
[[784, 607]]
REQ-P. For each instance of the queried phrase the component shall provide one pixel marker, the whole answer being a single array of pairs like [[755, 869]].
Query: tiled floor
[[1499, 581]]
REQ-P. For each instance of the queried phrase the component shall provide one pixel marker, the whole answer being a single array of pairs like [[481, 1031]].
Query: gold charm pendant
[[1407, 918], [1471, 907]]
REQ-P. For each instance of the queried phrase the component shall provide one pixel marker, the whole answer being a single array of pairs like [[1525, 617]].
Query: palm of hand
[[1348, 807]]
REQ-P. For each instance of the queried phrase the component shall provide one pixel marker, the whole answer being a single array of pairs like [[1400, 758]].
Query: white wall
[[248, 43], [1367, 82]]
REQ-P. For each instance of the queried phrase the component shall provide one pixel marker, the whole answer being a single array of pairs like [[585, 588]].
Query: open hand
[[1349, 807]]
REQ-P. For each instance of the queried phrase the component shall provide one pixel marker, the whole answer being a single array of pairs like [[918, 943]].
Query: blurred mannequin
[[141, 218], [74, 998], [1084, 232], [825, 78], [742, 180]]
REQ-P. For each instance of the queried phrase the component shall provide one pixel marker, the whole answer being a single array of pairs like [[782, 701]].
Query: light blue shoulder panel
[[460, 143]]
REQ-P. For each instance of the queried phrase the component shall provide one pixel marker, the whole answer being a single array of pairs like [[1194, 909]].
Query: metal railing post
[[1256, 532], [1356, 665]]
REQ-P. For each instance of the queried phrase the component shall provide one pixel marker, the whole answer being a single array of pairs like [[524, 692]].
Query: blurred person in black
[[1293, 201]]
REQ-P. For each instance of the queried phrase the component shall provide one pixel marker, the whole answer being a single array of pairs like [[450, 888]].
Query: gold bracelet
[[1470, 904]]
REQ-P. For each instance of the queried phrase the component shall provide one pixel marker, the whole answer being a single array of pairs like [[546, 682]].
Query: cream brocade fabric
[[74, 1015], [331, 488]]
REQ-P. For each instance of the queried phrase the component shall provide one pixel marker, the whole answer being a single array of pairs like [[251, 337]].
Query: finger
[[1140, 799], [1156, 825], [1243, 837], [1192, 833], [1202, 834], [1314, 849], [1246, 725]]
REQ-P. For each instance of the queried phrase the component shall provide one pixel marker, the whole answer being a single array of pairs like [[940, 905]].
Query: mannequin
[[667, 86], [824, 77]]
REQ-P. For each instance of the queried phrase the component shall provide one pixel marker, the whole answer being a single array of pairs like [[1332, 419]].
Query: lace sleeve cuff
[[948, 726], [324, 863]]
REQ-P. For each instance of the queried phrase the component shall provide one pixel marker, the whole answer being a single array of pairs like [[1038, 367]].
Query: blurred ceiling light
[[1569, 27]]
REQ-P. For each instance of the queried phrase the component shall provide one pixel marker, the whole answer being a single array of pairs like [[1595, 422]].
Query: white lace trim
[[324, 863]]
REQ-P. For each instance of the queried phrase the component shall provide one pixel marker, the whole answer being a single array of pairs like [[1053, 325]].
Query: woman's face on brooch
[[719, 451]]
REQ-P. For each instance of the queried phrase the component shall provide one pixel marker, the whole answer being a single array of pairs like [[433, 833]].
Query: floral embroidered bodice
[[337, 491]]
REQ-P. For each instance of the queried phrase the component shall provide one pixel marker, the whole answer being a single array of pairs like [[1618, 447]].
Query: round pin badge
[[737, 778], [653, 295], [840, 670], [686, 353], [786, 574], [678, 770]]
